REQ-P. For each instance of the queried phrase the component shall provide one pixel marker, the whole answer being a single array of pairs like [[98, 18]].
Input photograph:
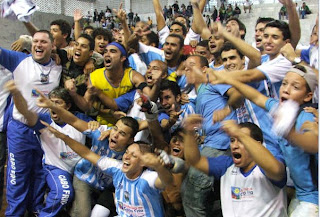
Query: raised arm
[[77, 16], [138, 80], [191, 149], [294, 22], [161, 22], [80, 149], [122, 16], [165, 177], [21, 103], [199, 25], [273, 168], [246, 49], [65, 115], [247, 91]]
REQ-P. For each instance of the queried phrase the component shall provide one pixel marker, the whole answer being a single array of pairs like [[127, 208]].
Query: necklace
[[44, 76]]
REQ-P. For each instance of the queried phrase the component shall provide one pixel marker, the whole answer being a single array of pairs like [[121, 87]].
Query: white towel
[[18, 9]]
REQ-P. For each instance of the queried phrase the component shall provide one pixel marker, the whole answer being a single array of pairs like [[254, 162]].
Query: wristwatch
[[296, 61]]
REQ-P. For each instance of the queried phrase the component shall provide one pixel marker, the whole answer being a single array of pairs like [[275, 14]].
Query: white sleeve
[[105, 164], [276, 69], [191, 36], [163, 34], [150, 177]]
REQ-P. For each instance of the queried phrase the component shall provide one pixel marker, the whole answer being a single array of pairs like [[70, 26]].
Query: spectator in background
[[136, 19], [283, 13], [88, 30], [208, 20], [89, 17], [96, 17], [236, 11], [222, 13], [190, 10], [170, 11], [130, 17], [247, 6], [214, 14], [175, 7], [165, 12], [304, 10], [229, 11], [108, 13]]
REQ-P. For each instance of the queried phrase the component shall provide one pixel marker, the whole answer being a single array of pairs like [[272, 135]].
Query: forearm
[[159, 16], [108, 101], [235, 98], [81, 150], [191, 150], [199, 26], [22, 107], [158, 140], [249, 92], [164, 175], [307, 141], [294, 24], [32, 29], [126, 31], [77, 29], [80, 102], [247, 76], [273, 169], [154, 92]]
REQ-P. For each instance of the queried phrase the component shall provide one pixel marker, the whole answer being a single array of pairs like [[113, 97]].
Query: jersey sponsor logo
[[68, 155], [131, 210], [238, 193], [13, 169]]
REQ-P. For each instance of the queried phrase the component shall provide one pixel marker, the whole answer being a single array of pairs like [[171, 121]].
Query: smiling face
[[100, 42], [120, 137], [215, 43], [294, 87], [177, 145], [272, 41], [232, 60], [82, 51], [131, 161], [240, 156], [172, 49], [41, 47], [112, 57]]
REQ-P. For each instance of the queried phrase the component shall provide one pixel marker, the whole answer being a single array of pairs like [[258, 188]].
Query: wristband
[[142, 85]]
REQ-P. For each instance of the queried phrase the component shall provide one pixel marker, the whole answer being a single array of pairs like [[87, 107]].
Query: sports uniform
[[138, 197], [100, 81], [25, 177], [249, 194]]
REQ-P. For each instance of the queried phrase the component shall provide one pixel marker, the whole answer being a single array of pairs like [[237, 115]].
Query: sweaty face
[[131, 161], [154, 71], [272, 41], [61, 103], [120, 137], [176, 29], [233, 27], [259, 35], [57, 35], [231, 60], [172, 48], [169, 102], [240, 156], [215, 43], [82, 51], [203, 51], [112, 57], [294, 87], [177, 145], [100, 42], [41, 47]]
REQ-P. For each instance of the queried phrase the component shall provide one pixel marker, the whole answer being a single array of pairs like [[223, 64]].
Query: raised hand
[[53, 131], [77, 15], [11, 87], [104, 135], [93, 125], [121, 14], [43, 101], [192, 122], [221, 114]]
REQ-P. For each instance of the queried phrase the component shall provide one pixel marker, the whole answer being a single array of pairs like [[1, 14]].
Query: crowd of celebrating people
[[112, 118]]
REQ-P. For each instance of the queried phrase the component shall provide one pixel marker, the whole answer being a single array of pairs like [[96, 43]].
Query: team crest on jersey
[[126, 196], [242, 193]]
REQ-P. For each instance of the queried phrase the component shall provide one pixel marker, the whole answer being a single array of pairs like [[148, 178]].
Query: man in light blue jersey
[[137, 189]]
